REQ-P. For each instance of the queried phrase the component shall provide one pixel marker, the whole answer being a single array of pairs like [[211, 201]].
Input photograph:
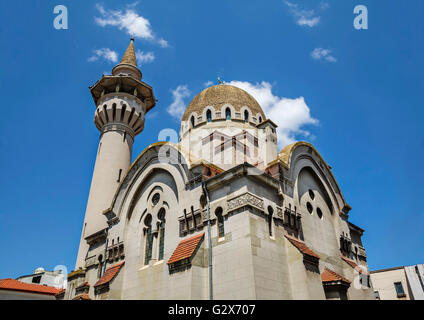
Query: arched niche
[[151, 161], [319, 219]]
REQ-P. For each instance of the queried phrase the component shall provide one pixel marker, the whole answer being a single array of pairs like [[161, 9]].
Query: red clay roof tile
[[301, 246], [355, 266], [15, 285], [82, 296], [330, 276], [185, 248], [60, 292], [110, 273]]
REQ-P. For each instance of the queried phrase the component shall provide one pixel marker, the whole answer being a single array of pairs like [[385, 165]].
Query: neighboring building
[[400, 283], [280, 226], [11, 289], [48, 278]]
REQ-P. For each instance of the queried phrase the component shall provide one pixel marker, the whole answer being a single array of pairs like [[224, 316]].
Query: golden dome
[[219, 95]]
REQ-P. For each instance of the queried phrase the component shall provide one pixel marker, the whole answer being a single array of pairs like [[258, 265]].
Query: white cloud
[[151, 115], [324, 5], [208, 84], [144, 57], [130, 21], [163, 43], [320, 54], [291, 115], [178, 106], [303, 17], [104, 53]]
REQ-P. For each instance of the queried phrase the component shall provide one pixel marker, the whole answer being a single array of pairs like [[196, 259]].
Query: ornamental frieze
[[245, 199]]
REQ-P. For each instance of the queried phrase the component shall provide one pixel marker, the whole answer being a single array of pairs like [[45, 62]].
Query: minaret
[[122, 101]]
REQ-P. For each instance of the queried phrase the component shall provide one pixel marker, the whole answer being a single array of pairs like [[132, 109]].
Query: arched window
[[209, 115], [113, 112], [220, 220], [227, 114], [149, 239], [270, 212], [161, 218], [99, 271], [192, 121], [246, 116], [260, 119]]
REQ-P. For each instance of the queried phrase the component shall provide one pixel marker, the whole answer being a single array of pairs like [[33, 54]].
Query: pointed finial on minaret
[[129, 55], [128, 64]]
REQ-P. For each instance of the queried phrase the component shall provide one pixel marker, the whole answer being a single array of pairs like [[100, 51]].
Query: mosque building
[[219, 215]]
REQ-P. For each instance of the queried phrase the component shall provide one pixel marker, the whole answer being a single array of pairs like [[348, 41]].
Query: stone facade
[[256, 201]]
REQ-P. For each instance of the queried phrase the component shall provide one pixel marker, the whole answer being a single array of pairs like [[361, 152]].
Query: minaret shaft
[[122, 101]]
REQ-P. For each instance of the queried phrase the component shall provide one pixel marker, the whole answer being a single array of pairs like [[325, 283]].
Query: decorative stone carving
[[361, 252], [280, 213], [245, 199], [90, 261]]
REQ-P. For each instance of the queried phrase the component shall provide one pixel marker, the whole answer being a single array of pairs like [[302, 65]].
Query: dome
[[219, 95], [39, 270]]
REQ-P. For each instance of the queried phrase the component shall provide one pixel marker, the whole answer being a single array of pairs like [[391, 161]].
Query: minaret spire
[[128, 64], [129, 55]]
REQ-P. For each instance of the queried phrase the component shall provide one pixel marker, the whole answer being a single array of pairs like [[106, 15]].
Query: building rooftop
[[15, 285]]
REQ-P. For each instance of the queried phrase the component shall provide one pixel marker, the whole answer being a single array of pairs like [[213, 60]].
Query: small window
[[311, 194], [270, 212], [377, 295], [155, 199], [364, 280], [149, 240], [220, 219], [192, 121], [319, 213], [227, 114], [100, 267], [309, 207], [399, 290], [36, 279], [113, 112], [209, 116], [161, 217], [246, 116], [260, 119]]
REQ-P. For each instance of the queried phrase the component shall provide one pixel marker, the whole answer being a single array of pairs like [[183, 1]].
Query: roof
[[15, 285], [76, 272], [388, 269], [328, 276], [110, 273], [82, 296], [355, 227], [285, 159], [302, 246], [186, 248], [219, 95], [129, 55], [354, 265], [62, 291], [268, 121]]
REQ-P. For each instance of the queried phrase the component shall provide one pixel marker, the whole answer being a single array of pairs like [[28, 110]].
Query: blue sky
[[362, 104]]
